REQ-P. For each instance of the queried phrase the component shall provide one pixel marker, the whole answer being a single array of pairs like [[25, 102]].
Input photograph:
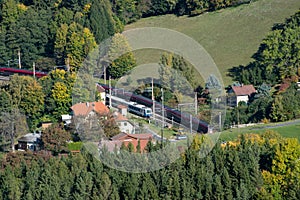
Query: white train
[[133, 107]]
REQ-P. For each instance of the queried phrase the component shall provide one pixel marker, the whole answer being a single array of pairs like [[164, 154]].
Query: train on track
[[6, 71], [132, 107], [185, 119]]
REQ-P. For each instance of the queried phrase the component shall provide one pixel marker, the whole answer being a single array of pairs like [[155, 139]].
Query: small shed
[[123, 109], [30, 141]]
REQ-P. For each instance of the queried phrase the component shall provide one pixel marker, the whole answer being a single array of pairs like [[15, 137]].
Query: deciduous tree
[[55, 138]]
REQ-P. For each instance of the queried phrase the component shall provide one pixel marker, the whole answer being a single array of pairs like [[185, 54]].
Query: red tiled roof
[[120, 136], [133, 139], [243, 90], [143, 144], [85, 108], [119, 117], [110, 145], [120, 106], [142, 136]]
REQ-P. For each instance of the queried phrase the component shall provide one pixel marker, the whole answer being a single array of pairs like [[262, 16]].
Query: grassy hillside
[[231, 36], [290, 131]]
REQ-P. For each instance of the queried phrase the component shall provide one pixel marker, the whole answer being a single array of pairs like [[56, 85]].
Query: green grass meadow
[[290, 131], [231, 36]]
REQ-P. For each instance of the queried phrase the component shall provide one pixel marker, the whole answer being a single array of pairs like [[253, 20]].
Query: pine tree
[[101, 20]]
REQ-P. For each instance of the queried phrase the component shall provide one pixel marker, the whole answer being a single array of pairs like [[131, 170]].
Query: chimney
[[87, 104]]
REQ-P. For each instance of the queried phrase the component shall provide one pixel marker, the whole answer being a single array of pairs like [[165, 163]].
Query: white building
[[124, 124], [240, 93], [30, 141]]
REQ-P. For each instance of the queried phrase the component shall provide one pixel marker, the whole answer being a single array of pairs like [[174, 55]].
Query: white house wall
[[242, 98]]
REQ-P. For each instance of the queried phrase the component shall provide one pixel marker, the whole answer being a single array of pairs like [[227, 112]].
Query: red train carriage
[[6, 71]]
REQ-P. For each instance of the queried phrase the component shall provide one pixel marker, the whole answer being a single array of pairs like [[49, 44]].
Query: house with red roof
[[124, 124], [116, 142], [240, 93], [101, 93], [89, 108]]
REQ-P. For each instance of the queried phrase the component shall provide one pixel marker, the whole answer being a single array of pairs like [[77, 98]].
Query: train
[[132, 107], [171, 113], [6, 71]]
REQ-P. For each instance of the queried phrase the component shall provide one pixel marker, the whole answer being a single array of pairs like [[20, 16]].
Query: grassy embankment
[[290, 131], [231, 36]]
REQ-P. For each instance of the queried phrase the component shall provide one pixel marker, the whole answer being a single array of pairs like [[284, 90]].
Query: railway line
[[184, 119]]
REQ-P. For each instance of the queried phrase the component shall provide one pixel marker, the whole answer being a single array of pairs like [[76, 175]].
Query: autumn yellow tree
[[57, 87], [27, 95], [72, 44]]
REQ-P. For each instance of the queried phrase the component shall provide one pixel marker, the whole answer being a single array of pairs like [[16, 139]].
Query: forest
[[264, 166], [51, 33], [56, 32]]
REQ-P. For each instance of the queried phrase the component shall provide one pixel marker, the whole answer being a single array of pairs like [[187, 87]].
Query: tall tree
[[55, 138], [57, 87], [101, 20], [72, 45], [12, 125], [120, 56], [28, 96]]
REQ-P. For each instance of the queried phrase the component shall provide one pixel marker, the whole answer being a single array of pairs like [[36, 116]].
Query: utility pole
[[163, 115], [33, 67], [19, 57], [68, 64], [238, 119], [153, 101], [220, 121], [196, 104], [104, 63], [109, 81], [104, 74], [191, 124]]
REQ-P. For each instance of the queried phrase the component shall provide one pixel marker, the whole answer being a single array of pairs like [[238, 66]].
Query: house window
[[125, 123]]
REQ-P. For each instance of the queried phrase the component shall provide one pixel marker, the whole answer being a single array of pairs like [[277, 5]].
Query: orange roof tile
[[141, 136], [243, 90], [120, 136], [119, 117], [121, 106], [85, 108]]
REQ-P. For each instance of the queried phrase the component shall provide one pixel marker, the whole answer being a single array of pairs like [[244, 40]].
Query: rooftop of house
[[85, 108], [243, 90], [30, 137], [119, 117], [126, 136], [120, 106], [110, 145]]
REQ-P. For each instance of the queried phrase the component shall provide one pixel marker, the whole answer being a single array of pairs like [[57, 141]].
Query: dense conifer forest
[[253, 167], [50, 33]]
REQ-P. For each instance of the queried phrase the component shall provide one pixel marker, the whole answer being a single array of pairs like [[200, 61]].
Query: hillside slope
[[231, 36]]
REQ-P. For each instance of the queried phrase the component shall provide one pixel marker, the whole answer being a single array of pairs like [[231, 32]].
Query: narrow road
[[282, 124], [156, 136]]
